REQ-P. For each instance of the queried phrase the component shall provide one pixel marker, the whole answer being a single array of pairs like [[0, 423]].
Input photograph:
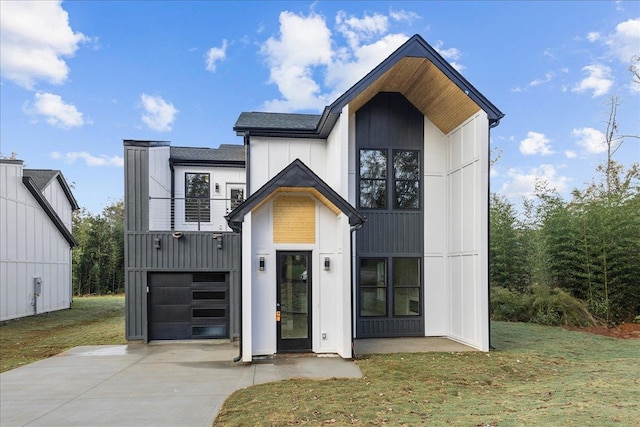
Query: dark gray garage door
[[188, 306]]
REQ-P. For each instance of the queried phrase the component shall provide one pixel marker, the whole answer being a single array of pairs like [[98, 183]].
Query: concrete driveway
[[173, 384]]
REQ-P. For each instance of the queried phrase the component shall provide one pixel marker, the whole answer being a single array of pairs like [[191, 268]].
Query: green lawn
[[537, 376], [90, 321]]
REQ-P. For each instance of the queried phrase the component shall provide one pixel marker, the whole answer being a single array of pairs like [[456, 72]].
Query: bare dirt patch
[[626, 331]]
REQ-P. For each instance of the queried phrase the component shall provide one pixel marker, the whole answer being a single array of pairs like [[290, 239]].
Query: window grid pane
[[373, 179], [197, 197], [406, 287], [373, 287]]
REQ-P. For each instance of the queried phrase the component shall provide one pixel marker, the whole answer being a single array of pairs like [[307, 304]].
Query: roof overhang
[[416, 71], [295, 178]]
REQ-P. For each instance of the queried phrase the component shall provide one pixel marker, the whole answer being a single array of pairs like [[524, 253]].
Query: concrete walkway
[[176, 384], [408, 345]]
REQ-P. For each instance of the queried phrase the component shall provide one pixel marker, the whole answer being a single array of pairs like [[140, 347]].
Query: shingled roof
[[225, 154], [42, 177]]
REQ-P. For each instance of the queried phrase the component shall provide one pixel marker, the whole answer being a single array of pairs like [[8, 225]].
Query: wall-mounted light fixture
[[217, 187], [218, 238], [261, 264], [156, 243], [177, 235], [327, 263]]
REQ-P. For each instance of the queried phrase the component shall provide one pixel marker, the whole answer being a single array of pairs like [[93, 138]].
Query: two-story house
[[368, 220]]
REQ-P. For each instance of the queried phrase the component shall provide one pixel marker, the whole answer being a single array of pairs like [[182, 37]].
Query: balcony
[[190, 214]]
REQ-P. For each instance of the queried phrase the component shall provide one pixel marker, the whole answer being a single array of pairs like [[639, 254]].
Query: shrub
[[510, 306]]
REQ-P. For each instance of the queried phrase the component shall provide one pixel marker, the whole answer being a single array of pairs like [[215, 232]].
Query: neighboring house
[[368, 220], [182, 263], [36, 207]]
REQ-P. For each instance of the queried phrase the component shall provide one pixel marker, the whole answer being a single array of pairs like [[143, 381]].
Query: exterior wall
[[194, 252], [328, 290], [30, 245], [270, 155], [58, 200], [224, 177], [435, 235], [159, 188], [468, 179]]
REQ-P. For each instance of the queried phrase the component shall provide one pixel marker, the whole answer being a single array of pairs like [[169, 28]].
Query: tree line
[[98, 260], [573, 261]]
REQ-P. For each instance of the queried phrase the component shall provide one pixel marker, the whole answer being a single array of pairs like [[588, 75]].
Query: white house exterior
[[371, 219], [36, 209]]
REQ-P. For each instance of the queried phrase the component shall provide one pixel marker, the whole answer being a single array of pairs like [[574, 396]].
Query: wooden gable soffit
[[427, 88], [308, 190]]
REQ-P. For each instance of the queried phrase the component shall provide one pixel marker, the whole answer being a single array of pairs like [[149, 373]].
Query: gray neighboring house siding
[[195, 252]]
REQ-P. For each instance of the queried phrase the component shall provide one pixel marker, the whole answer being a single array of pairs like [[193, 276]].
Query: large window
[[403, 179], [373, 179], [406, 286], [406, 174], [404, 289], [373, 287], [197, 197]]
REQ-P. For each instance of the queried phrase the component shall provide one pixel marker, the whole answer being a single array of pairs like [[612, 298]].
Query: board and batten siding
[[193, 252], [30, 246], [468, 207]]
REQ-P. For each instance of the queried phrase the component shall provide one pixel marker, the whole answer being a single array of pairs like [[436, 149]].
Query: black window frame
[[395, 286], [361, 287], [202, 203], [391, 181]]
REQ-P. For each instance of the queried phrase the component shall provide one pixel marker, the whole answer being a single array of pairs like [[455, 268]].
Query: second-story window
[[197, 197], [389, 179]]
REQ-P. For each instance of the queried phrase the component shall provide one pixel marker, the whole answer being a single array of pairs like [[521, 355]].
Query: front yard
[[537, 376]]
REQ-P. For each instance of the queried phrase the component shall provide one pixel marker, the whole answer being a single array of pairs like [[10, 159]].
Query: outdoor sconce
[[327, 263], [177, 235], [261, 264], [217, 187], [218, 237], [156, 243]]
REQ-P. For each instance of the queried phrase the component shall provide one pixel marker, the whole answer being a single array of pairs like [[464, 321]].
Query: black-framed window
[[406, 287], [406, 174], [373, 179], [373, 287], [197, 190], [403, 179]]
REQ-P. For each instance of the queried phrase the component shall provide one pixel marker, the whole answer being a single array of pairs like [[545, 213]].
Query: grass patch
[[90, 321], [538, 375]]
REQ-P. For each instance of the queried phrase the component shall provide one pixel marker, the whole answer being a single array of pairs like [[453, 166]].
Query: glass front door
[[293, 313]]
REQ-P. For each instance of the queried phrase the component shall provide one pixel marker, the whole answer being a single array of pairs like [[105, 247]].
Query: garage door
[[188, 306]]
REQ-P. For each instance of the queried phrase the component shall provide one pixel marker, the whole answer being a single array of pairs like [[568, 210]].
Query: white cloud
[[570, 154], [303, 44], [158, 113], [593, 36], [309, 71], [403, 15], [599, 80], [215, 55], [89, 159], [55, 110], [547, 78], [624, 42], [35, 36], [523, 183], [535, 143], [451, 54], [592, 140]]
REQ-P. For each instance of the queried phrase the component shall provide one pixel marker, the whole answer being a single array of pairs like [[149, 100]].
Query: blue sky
[[79, 77]]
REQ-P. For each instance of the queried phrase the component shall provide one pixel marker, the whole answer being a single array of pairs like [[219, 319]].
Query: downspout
[[352, 230], [238, 358], [492, 124]]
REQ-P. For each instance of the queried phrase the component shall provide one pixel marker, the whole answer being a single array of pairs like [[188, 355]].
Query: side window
[[373, 179], [197, 197], [236, 196], [406, 179]]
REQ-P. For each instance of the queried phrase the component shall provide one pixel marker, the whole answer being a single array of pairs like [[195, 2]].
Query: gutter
[[239, 356], [352, 230]]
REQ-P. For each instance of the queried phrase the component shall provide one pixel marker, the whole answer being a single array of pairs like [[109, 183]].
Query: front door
[[294, 301]]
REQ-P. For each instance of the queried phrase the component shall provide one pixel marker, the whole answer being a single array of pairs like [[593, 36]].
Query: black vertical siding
[[389, 121], [195, 251]]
